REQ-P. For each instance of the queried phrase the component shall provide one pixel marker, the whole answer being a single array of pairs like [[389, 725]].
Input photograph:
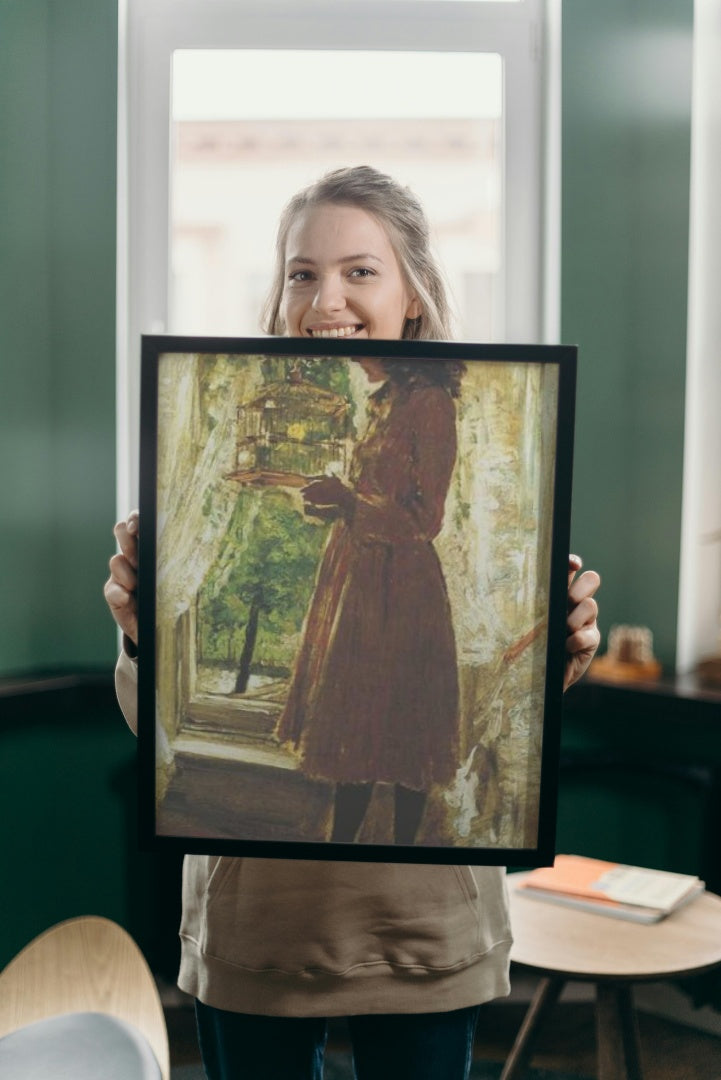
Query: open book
[[608, 888]]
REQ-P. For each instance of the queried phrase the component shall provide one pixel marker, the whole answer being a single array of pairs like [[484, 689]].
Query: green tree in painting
[[262, 582], [256, 594]]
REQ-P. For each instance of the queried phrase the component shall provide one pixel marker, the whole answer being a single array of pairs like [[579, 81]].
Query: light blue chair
[[80, 1003]]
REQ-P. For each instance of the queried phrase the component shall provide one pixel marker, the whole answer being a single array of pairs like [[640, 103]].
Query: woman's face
[[342, 277]]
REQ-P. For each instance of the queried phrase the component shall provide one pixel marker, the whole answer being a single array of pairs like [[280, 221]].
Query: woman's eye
[[300, 276], [362, 272]]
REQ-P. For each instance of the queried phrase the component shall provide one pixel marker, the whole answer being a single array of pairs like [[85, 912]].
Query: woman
[[271, 948]]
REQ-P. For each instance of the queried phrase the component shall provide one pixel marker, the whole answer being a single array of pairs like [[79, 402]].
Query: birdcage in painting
[[291, 431]]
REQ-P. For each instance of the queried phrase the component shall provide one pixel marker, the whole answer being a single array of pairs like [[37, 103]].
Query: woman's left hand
[[583, 636]]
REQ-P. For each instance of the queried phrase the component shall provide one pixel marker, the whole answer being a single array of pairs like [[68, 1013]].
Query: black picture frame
[[256, 614]]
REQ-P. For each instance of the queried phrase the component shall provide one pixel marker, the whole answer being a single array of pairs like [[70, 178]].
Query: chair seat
[[78, 1046]]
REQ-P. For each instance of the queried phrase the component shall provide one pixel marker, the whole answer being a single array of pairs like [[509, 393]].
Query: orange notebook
[[631, 892]]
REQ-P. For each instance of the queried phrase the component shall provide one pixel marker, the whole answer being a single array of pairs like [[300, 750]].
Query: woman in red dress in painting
[[374, 694]]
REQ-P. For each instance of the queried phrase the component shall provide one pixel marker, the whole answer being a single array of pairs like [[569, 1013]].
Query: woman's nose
[[329, 295]]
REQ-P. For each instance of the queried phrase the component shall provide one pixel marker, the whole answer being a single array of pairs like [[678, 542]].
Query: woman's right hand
[[121, 587]]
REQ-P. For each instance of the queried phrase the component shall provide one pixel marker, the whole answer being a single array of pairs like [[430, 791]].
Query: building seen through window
[[236, 161]]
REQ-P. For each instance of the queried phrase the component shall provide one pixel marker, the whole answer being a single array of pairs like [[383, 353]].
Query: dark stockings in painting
[[351, 803], [409, 811]]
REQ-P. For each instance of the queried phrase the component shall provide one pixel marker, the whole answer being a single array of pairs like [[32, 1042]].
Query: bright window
[[237, 156], [227, 107]]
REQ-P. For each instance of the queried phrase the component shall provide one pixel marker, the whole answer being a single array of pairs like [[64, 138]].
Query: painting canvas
[[352, 596]]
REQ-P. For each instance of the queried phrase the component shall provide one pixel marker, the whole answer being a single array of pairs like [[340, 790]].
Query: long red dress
[[374, 692]]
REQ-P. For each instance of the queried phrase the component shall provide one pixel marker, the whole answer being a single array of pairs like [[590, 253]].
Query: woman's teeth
[[337, 331]]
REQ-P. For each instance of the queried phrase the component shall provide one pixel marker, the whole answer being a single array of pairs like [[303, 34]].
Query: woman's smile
[[335, 331], [342, 277]]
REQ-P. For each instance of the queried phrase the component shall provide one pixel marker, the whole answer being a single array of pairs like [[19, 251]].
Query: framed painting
[[352, 597]]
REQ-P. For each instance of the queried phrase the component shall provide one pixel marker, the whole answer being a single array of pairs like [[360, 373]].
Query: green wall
[[58, 72], [626, 145]]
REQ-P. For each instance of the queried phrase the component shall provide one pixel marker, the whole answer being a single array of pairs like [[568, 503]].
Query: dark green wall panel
[[82, 299], [58, 77], [626, 144], [26, 481]]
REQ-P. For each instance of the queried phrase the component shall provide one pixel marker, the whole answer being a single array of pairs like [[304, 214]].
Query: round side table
[[563, 944]]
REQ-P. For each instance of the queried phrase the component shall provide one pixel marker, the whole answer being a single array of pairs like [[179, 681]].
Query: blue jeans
[[413, 1046]]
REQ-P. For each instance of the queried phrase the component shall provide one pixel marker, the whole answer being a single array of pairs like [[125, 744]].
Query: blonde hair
[[403, 217]]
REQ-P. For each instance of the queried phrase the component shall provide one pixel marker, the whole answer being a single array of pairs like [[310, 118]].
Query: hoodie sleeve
[[126, 688]]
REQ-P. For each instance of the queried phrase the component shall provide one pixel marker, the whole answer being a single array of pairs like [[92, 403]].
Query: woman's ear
[[415, 309]]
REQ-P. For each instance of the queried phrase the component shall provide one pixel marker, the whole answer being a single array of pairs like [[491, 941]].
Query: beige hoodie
[[284, 937]]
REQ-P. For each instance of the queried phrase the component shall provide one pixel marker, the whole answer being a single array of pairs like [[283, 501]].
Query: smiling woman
[[353, 259], [337, 293]]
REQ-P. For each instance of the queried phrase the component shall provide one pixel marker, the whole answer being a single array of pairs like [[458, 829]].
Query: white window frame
[[699, 596], [526, 34]]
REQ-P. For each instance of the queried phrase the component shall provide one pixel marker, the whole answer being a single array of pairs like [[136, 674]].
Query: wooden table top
[[582, 945]]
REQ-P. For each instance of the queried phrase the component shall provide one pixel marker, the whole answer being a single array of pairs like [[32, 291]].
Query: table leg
[[617, 1033], [545, 997]]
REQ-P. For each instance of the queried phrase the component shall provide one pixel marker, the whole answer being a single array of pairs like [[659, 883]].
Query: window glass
[[251, 127]]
